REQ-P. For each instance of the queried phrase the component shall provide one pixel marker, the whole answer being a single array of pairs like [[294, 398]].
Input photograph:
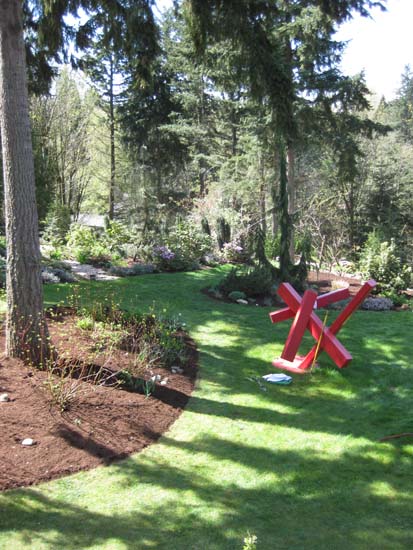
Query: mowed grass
[[299, 466]]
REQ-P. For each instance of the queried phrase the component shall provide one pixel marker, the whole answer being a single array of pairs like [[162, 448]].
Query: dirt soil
[[101, 425], [323, 282]]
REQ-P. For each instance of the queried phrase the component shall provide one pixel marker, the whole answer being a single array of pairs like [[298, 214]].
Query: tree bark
[[112, 143], [26, 331], [263, 205], [291, 195]]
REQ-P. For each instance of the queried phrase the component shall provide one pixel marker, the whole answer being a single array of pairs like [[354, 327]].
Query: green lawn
[[300, 466]]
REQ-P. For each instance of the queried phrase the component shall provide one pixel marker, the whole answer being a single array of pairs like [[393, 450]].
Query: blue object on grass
[[282, 379]]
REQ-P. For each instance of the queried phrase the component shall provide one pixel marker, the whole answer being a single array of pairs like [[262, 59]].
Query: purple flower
[[164, 253]]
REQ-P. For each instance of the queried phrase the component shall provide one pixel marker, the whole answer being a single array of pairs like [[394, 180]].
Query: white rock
[[4, 397], [156, 378], [177, 370], [243, 302], [28, 442]]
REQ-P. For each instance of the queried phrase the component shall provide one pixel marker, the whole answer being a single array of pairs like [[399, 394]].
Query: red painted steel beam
[[299, 325], [322, 301], [329, 343], [334, 296], [281, 315], [340, 320]]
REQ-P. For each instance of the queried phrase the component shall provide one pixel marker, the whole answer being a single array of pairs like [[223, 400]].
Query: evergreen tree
[[290, 59]]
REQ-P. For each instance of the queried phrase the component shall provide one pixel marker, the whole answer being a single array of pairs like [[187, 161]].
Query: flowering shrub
[[233, 252], [182, 249], [163, 258]]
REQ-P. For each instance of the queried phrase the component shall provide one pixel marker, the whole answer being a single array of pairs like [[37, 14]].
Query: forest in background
[[193, 143]]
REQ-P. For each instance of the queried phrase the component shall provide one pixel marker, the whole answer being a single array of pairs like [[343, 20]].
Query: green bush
[[86, 246], [182, 249], [272, 247], [57, 224], [116, 236], [379, 261], [256, 281], [397, 299]]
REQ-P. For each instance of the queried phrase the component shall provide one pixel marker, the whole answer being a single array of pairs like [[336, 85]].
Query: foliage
[[116, 236], [233, 252], [379, 261], [86, 246], [397, 298], [85, 323], [183, 248], [237, 295], [250, 542], [57, 225], [255, 281], [272, 246]]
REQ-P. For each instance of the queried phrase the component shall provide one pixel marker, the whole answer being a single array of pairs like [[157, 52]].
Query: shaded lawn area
[[300, 466]]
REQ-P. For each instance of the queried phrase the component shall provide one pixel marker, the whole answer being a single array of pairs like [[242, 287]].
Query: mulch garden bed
[[320, 282], [102, 423]]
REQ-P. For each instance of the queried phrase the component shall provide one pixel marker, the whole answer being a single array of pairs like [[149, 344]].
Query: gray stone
[[177, 370]]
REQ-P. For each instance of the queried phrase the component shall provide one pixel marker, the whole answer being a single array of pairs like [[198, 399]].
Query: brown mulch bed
[[323, 281], [102, 424]]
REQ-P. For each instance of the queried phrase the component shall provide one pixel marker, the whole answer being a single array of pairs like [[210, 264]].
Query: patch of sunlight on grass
[[299, 465], [382, 489]]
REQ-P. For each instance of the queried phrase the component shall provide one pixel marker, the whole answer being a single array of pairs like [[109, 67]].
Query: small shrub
[[85, 323], [272, 247], [237, 295], [256, 281], [86, 246], [233, 252], [379, 261], [116, 236], [57, 225], [397, 298], [223, 232], [182, 250]]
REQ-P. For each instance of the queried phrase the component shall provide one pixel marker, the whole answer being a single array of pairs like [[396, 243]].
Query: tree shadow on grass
[[306, 500]]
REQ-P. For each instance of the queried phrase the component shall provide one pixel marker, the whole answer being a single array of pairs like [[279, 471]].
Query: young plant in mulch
[[123, 350]]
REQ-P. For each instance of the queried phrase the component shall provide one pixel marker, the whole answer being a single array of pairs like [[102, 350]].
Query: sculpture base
[[292, 366]]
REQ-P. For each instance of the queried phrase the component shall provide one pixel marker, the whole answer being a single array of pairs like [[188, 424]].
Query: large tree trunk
[[112, 142], [26, 332], [291, 195]]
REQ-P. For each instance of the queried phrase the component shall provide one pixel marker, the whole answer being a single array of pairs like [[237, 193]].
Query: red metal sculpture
[[302, 309]]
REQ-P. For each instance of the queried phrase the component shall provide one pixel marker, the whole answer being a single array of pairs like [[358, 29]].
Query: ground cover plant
[[296, 466]]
